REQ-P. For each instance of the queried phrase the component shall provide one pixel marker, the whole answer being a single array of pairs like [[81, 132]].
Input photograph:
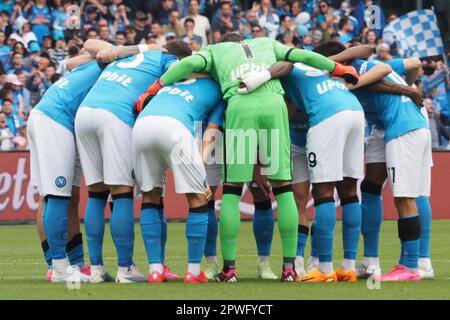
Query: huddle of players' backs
[[311, 90]]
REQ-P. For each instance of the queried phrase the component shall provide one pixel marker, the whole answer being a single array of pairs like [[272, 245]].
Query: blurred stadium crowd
[[36, 38]]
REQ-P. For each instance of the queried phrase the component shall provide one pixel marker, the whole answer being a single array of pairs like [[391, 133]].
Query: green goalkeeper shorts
[[256, 128]]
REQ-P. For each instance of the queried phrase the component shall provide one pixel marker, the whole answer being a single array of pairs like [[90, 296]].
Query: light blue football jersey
[[61, 101], [193, 102], [316, 94], [397, 114], [123, 81], [298, 129]]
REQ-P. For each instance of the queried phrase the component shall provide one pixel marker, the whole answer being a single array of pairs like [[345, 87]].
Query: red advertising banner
[[19, 200]]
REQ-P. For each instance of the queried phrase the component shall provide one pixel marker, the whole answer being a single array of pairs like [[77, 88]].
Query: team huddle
[[255, 112]]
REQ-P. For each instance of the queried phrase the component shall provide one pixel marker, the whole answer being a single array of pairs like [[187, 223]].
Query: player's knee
[[232, 189], [322, 191], [371, 187]]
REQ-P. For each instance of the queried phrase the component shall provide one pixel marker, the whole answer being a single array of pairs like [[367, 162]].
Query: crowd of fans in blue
[[37, 37]]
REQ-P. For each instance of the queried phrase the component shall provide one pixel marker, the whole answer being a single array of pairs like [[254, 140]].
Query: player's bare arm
[[111, 54], [358, 52], [412, 67], [384, 86], [375, 74]]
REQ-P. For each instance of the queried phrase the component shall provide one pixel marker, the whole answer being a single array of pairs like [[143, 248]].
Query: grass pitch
[[22, 271]]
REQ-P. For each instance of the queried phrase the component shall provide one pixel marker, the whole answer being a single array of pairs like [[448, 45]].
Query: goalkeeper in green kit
[[256, 129]]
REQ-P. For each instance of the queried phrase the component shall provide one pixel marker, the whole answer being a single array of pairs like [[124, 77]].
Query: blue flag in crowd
[[417, 34]]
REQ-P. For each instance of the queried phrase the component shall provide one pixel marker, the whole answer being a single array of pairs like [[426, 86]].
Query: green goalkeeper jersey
[[228, 61]]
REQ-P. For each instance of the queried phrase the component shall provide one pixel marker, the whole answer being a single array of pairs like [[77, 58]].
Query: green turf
[[22, 271]]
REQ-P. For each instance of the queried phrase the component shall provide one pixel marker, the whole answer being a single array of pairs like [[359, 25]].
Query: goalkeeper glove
[[348, 73], [144, 98]]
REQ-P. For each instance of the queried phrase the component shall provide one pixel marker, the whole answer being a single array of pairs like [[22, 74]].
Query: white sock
[[370, 261], [98, 268], [348, 264], [263, 259], [60, 265], [194, 268], [326, 267], [158, 267], [425, 264], [211, 259], [314, 261], [299, 262], [123, 269]]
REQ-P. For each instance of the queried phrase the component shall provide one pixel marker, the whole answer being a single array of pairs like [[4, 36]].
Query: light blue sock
[[56, 225], [211, 235], [314, 252], [302, 240], [372, 217], [75, 251], [163, 231], [423, 204], [351, 226], [122, 228], [409, 234], [151, 227], [324, 223], [196, 229], [263, 224], [94, 223]]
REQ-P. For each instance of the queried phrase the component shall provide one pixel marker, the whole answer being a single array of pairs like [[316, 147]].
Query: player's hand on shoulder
[[106, 55], [348, 73], [145, 98]]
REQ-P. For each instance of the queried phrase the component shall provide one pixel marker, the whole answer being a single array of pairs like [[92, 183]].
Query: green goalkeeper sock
[[229, 225], [287, 220]]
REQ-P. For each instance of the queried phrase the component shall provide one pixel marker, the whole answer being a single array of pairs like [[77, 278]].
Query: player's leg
[[351, 227], [89, 148], [372, 215], [213, 172], [263, 225], [115, 139], [275, 156], [196, 231], [169, 275], [182, 153], [347, 190], [300, 187], [327, 151], [55, 182], [406, 157], [240, 144], [424, 207]]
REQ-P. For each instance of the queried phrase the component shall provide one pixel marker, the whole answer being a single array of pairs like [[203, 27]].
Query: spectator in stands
[[226, 21], [103, 32], [296, 8], [6, 135], [17, 64], [141, 26], [58, 18], [371, 38], [91, 34], [13, 121], [166, 8], [130, 34], [23, 31], [257, 32], [40, 19], [90, 20], [121, 20], [174, 24], [120, 39], [158, 34], [383, 52], [194, 40], [436, 126], [281, 8], [268, 20], [59, 53], [202, 25], [345, 31]]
